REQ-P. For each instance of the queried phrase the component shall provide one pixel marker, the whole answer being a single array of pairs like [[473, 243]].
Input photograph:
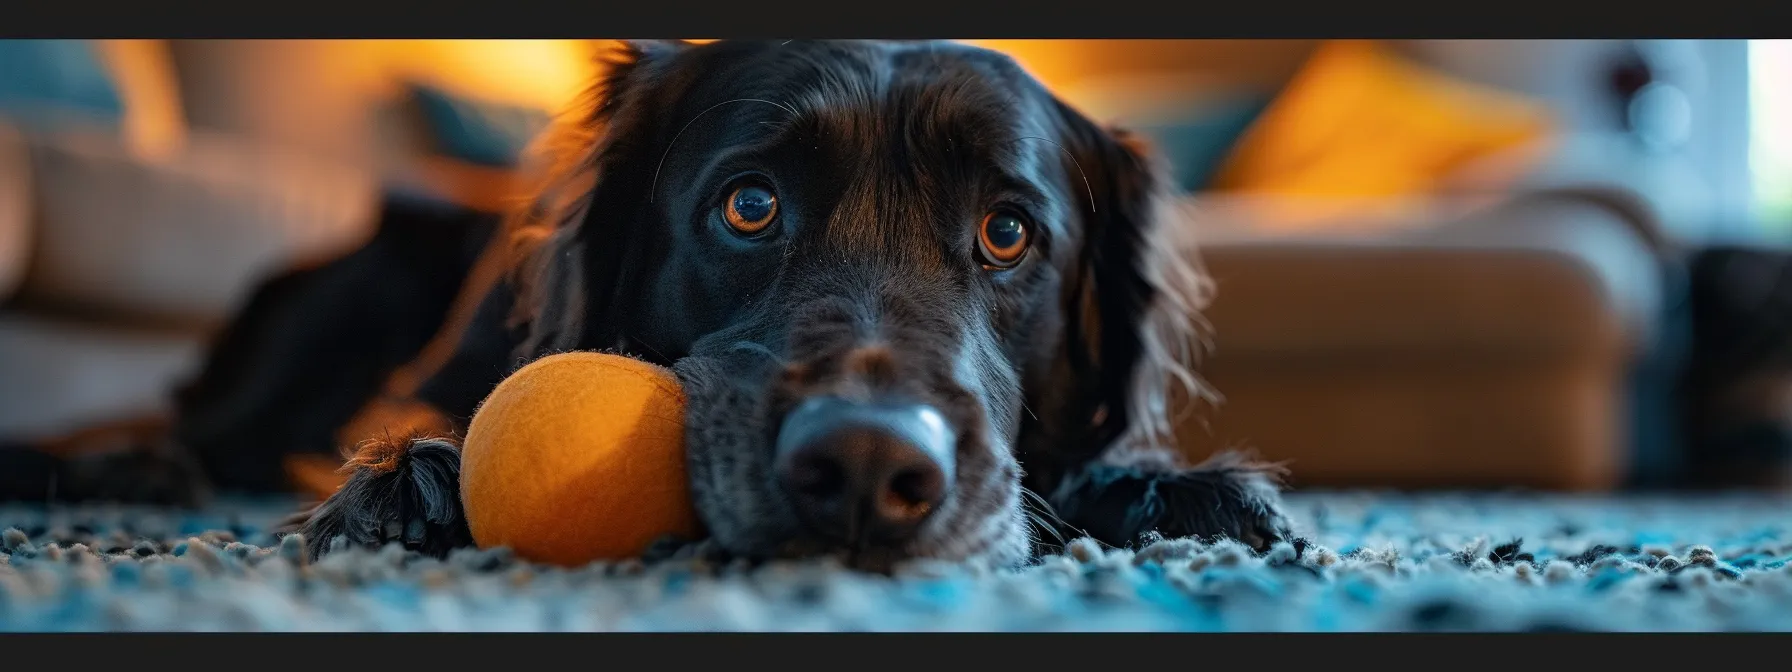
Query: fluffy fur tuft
[[399, 490]]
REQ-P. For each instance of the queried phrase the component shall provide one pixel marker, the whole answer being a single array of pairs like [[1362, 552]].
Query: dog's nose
[[862, 473]]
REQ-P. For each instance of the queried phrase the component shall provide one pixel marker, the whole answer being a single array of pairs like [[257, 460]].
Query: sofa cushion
[[1197, 140], [182, 237], [126, 87], [1361, 122], [481, 132], [44, 82]]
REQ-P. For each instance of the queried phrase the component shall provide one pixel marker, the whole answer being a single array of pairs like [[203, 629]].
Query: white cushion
[[186, 236]]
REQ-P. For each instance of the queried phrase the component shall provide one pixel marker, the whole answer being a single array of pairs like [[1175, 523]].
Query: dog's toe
[[1265, 531]]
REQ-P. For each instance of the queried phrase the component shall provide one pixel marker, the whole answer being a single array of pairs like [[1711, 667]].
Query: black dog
[[904, 286], [920, 307]]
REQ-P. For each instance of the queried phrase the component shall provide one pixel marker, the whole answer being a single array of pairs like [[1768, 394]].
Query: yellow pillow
[[1359, 124]]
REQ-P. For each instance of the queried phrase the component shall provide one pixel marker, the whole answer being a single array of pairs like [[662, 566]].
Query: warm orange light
[[154, 125], [548, 74], [1124, 80], [1360, 128]]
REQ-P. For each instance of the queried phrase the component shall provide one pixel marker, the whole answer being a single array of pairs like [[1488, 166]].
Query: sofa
[[137, 217], [1478, 343], [134, 261]]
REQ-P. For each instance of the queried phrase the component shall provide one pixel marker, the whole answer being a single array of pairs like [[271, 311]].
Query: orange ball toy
[[578, 457]]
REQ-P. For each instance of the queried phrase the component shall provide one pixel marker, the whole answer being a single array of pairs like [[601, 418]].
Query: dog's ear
[[583, 179], [1131, 304]]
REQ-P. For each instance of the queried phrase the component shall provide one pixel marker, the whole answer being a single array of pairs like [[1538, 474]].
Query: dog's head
[[900, 281]]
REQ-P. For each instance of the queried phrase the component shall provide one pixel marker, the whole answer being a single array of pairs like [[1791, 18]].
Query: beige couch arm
[[1462, 343], [1603, 239]]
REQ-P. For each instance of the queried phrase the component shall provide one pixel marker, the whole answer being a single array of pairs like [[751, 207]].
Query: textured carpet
[[1373, 563]]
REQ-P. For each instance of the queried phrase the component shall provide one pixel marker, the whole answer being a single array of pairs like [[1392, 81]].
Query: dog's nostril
[[913, 492], [857, 470]]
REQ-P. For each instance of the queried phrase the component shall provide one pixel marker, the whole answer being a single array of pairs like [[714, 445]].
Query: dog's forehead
[[851, 87], [928, 126]]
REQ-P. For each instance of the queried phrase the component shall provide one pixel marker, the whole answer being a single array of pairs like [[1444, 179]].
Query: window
[[1770, 132]]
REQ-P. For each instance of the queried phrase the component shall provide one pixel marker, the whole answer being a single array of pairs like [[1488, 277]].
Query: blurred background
[[1489, 263]]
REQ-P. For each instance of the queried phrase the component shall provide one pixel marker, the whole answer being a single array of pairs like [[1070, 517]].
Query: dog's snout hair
[[873, 343], [872, 334]]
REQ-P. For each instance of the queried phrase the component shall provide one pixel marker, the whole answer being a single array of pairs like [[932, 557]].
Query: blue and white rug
[[1375, 562]]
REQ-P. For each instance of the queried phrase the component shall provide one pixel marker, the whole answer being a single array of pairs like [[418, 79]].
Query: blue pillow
[[45, 81], [1197, 142], [476, 131]]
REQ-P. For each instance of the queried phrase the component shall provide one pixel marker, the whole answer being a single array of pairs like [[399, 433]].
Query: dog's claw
[[415, 533], [1267, 533], [1263, 531]]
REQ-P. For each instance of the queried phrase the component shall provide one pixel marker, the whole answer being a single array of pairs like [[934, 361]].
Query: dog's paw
[[133, 461], [675, 548], [1228, 496], [1261, 525], [405, 492], [1250, 491]]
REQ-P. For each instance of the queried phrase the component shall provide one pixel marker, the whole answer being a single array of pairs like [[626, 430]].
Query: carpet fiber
[[1373, 562]]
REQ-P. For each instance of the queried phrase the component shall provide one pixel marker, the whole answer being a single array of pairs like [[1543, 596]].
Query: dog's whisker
[[1045, 525], [1087, 188], [1041, 512], [750, 346], [649, 347], [1036, 524], [1046, 508]]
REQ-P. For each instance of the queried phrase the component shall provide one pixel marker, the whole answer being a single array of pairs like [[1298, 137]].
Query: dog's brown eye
[[750, 209], [1002, 238]]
